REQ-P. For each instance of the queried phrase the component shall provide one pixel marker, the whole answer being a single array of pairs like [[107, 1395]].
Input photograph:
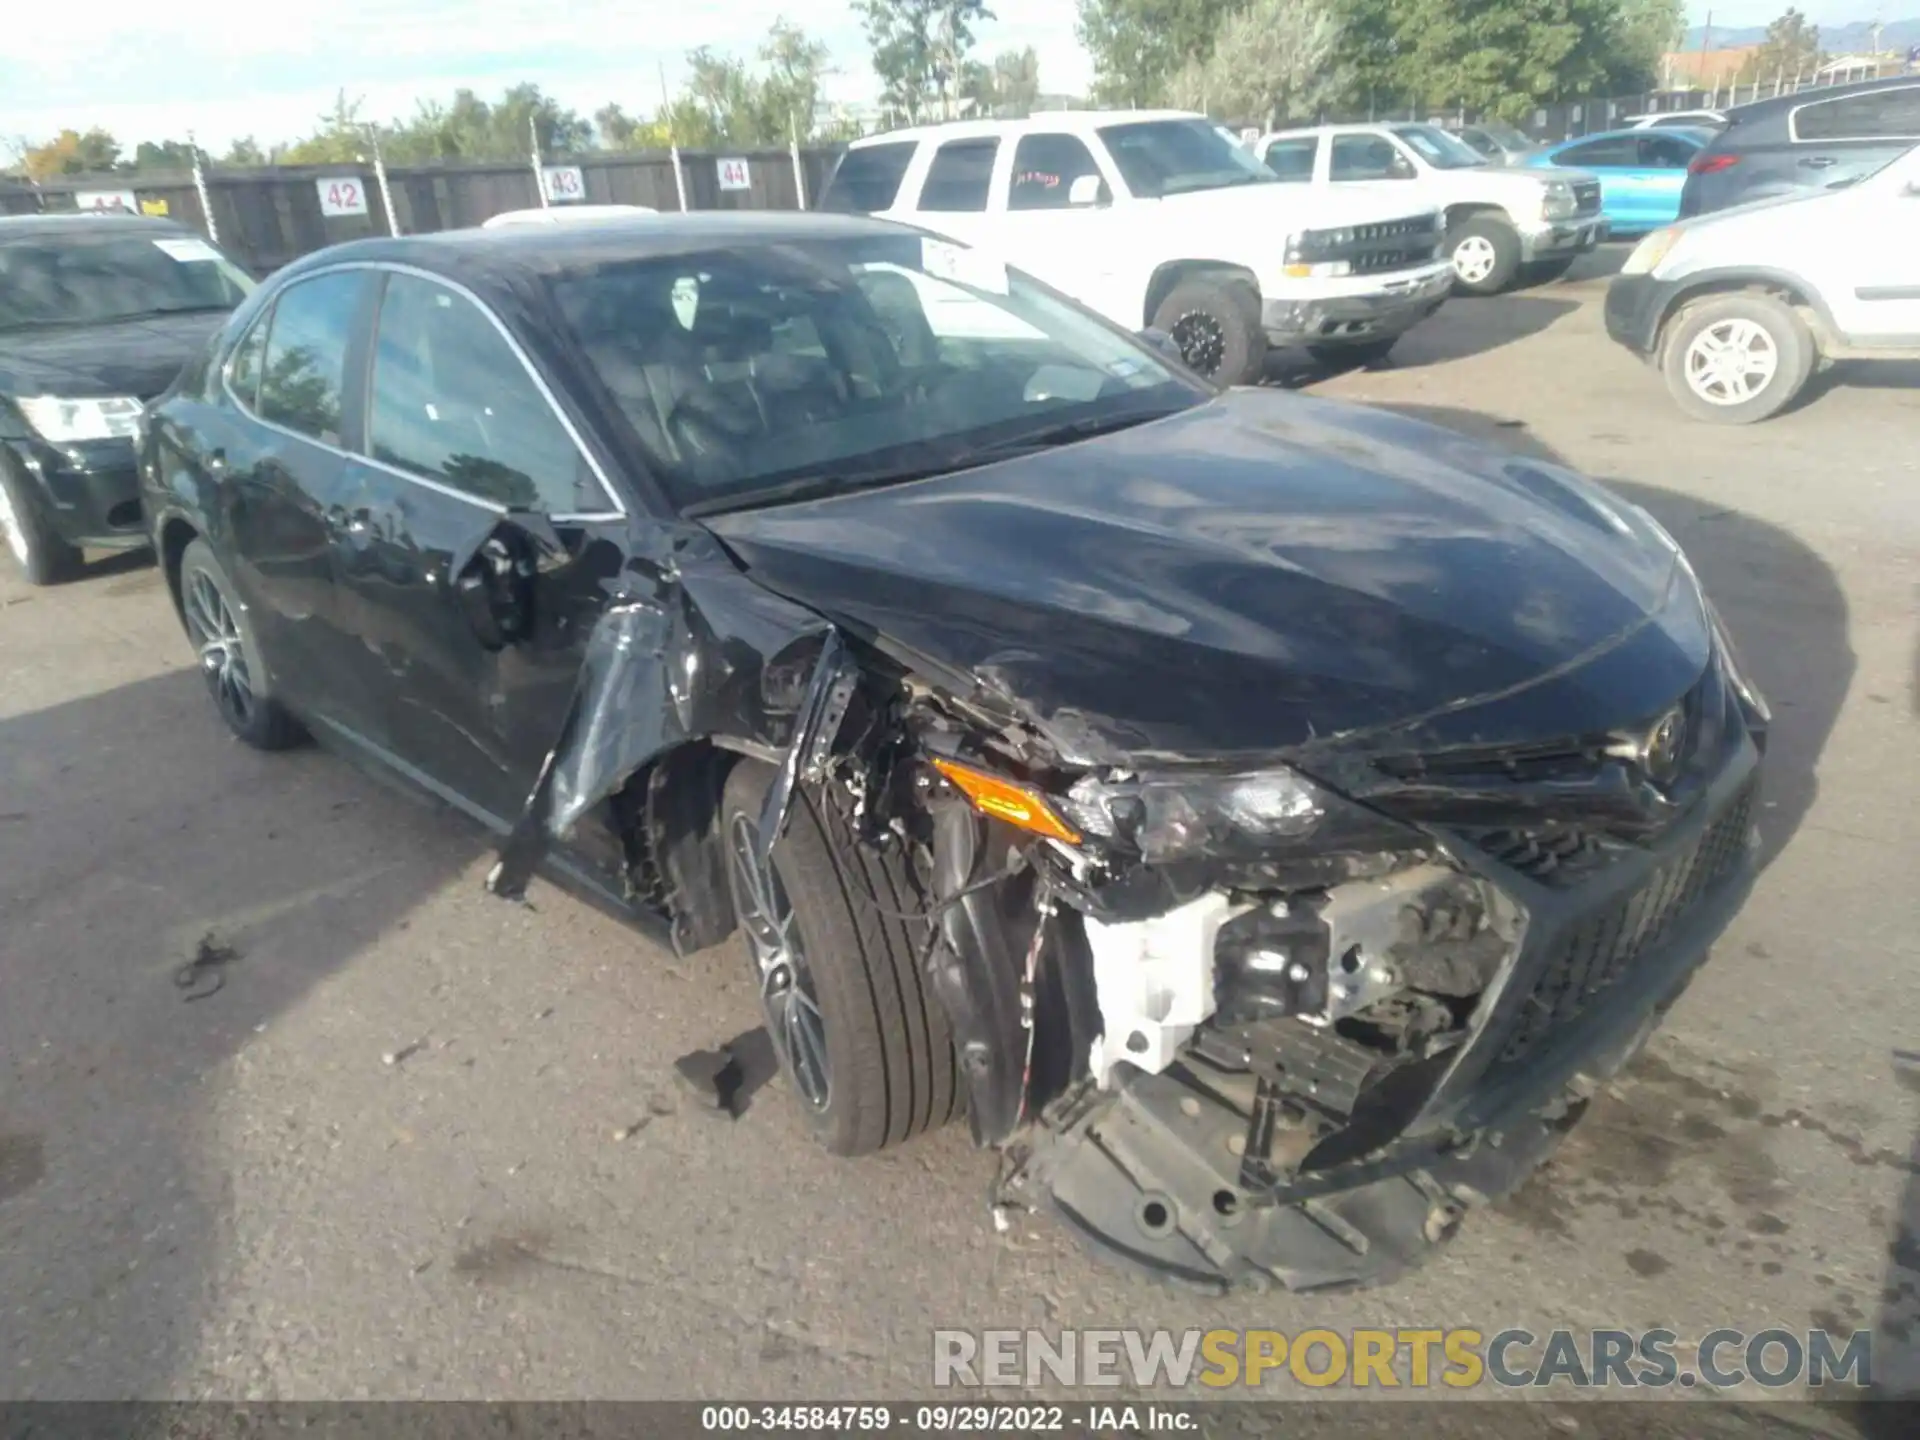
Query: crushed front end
[[1247, 1026]]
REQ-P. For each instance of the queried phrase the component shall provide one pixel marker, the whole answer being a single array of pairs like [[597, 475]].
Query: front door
[[466, 448], [1054, 215]]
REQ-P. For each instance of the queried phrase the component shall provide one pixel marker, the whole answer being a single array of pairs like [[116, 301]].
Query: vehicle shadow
[[1783, 604], [165, 895], [1474, 327], [1600, 263]]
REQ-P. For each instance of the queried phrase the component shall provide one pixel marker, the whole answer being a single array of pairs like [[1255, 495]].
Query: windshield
[[766, 372], [95, 279], [1171, 157], [1439, 149]]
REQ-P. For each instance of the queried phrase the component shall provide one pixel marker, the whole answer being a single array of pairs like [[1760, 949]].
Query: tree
[[73, 152], [1647, 31], [1792, 46], [1137, 46], [340, 140], [166, 155], [796, 70], [920, 50], [244, 151], [1268, 63]]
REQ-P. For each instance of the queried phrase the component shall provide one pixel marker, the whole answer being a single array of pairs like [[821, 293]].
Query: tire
[[1542, 272], [1216, 324], [890, 1067], [1766, 331], [1492, 255], [1364, 355], [223, 636], [27, 537]]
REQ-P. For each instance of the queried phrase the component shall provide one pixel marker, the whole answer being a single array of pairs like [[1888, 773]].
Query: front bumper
[[89, 491], [1559, 239], [1387, 307], [1151, 1175], [1636, 306]]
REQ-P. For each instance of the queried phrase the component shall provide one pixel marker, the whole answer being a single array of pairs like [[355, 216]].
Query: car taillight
[[1705, 164]]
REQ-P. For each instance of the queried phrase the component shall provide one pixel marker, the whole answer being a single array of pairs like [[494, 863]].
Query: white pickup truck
[[1504, 225], [1155, 219]]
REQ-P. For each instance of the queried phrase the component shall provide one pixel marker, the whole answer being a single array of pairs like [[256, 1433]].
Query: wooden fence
[[267, 216]]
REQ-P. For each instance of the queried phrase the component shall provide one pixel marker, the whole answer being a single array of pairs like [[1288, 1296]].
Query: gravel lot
[[237, 1196]]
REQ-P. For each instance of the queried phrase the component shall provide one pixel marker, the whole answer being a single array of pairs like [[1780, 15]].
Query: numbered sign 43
[[563, 183], [734, 175], [342, 195]]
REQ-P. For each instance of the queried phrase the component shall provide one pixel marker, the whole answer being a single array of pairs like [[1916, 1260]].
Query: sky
[[226, 68]]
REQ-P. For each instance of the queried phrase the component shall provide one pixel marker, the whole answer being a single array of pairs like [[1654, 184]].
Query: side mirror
[[1088, 190], [494, 589], [1164, 343]]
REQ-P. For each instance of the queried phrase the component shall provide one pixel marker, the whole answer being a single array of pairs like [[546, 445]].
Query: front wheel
[[28, 537], [862, 1040], [1216, 325], [1485, 254], [1735, 359], [223, 637]]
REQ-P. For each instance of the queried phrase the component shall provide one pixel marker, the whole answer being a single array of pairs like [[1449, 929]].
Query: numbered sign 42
[[734, 175], [563, 184], [342, 195]]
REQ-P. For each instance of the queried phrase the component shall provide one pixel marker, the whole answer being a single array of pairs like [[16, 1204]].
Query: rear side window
[[868, 178], [1615, 150], [1292, 160], [304, 367], [451, 402], [1878, 115], [959, 176], [1044, 169], [1665, 152]]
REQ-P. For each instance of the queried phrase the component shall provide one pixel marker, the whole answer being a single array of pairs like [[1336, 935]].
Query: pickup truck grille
[[1390, 245], [1586, 198]]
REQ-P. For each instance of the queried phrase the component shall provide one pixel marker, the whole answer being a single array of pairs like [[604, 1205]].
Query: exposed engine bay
[[1279, 1022]]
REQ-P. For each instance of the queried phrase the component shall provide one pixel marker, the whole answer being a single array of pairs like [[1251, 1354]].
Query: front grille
[[1374, 261], [1413, 226], [1603, 948], [1586, 197]]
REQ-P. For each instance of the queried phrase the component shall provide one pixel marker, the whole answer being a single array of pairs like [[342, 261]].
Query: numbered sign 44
[[734, 175], [563, 184], [342, 195]]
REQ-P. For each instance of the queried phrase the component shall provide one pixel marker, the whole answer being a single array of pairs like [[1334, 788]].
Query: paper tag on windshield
[[963, 266], [187, 249]]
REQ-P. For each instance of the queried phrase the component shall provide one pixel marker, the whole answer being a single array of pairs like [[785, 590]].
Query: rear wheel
[[28, 538], [1216, 325], [223, 637], [860, 1036], [1485, 252], [1735, 359]]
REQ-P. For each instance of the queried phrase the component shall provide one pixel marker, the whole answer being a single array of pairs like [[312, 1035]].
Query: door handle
[[1819, 162]]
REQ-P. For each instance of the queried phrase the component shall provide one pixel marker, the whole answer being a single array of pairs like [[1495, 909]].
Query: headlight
[[63, 420], [1558, 202], [1255, 815], [1734, 668], [1648, 254], [1306, 246]]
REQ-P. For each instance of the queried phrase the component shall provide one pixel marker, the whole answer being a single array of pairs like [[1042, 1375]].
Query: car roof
[[488, 259], [1352, 127], [1700, 136], [1775, 104], [1070, 120], [15, 227]]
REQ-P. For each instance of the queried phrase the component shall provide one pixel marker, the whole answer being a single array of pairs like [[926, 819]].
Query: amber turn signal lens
[[1004, 800]]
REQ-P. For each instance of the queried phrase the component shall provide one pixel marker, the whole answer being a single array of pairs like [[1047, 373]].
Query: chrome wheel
[[223, 656], [787, 992], [1202, 341], [10, 527], [1731, 362], [1474, 259]]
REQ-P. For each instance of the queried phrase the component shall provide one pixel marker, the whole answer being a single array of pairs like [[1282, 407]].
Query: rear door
[[1663, 175], [1293, 158], [1615, 160], [461, 436], [1837, 141]]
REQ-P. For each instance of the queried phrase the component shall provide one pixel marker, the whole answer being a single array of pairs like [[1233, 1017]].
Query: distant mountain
[[1834, 39]]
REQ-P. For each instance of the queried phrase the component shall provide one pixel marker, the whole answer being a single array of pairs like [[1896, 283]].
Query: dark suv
[[97, 315], [1809, 141]]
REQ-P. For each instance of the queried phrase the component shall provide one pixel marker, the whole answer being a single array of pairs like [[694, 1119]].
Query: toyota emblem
[[1666, 743]]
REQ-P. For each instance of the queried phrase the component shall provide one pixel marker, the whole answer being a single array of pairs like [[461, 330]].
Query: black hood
[[1256, 574], [128, 357]]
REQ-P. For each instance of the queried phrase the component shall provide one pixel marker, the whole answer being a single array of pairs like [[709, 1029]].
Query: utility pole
[[673, 144], [539, 173]]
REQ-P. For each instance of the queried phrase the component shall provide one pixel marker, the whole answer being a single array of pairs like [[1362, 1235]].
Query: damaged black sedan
[[1268, 819]]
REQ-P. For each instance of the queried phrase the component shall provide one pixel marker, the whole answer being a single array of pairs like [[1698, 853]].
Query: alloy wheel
[[223, 656], [1731, 362], [1202, 341], [787, 993], [10, 527], [1474, 259]]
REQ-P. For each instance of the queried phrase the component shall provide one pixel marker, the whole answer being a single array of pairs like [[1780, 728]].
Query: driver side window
[[1368, 157], [1044, 169]]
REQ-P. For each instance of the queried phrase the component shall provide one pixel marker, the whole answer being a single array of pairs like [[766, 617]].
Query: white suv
[[1155, 219], [1504, 224]]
